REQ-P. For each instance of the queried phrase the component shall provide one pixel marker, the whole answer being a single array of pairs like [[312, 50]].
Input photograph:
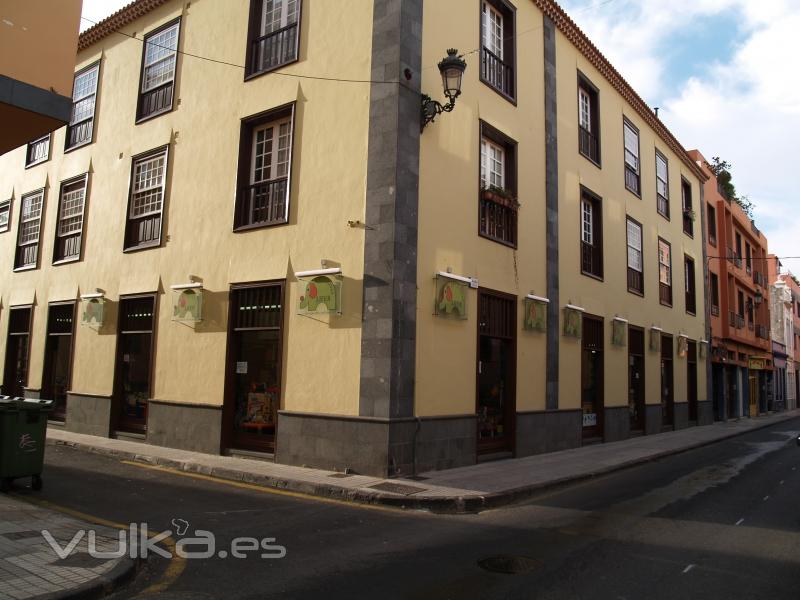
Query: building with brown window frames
[[246, 241], [739, 306]]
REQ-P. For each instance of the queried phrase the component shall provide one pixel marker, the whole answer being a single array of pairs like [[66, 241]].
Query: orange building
[[741, 349]]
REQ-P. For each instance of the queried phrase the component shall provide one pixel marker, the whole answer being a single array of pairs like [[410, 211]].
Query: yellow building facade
[[242, 242]]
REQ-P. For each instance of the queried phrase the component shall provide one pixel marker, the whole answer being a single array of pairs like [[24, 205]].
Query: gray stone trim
[[379, 447], [388, 337], [193, 427], [551, 211], [681, 415], [706, 300], [705, 412], [652, 418], [616, 423], [34, 99], [539, 432], [89, 414]]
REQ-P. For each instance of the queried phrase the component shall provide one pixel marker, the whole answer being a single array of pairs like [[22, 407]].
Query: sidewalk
[[30, 568], [466, 489]]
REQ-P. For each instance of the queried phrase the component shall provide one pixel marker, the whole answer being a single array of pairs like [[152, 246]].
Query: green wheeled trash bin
[[23, 429]]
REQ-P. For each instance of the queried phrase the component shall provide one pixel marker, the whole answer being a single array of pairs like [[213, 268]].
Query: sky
[[723, 76]]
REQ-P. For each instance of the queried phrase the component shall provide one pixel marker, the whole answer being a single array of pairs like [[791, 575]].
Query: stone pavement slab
[[465, 489], [30, 568]]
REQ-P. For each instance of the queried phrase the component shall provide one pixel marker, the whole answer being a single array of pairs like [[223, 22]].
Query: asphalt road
[[718, 522]]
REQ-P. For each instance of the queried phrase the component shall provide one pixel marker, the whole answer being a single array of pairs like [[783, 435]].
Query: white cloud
[[745, 110]]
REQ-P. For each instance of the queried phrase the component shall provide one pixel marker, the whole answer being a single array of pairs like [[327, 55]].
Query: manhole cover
[[510, 565], [397, 488]]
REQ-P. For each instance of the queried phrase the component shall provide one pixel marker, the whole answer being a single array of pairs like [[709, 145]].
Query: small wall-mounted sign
[[655, 339], [683, 346], [93, 310], [535, 313], [451, 296], [703, 349], [756, 363], [573, 321], [589, 419], [619, 329], [187, 302], [320, 291]]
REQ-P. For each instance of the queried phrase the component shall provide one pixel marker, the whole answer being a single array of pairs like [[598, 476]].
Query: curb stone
[[441, 505]]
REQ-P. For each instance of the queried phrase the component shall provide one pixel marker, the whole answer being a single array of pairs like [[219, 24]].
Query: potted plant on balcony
[[500, 196]]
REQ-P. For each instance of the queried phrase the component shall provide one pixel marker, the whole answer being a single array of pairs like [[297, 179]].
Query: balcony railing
[[712, 239], [79, 133], [588, 144], [262, 204], [26, 256], [729, 254], [715, 310], [759, 278], [498, 218], [688, 224], [750, 325], [665, 293], [155, 101], [497, 73], [631, 179], [735, 320], [591, 259], [274, 49], [635, 281], [737, 260], [761, 332], [662, 205], [691, 302], [143, 231]]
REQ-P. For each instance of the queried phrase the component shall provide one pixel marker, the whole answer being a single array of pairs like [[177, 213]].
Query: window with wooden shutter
[[159, 64], [631, 139], [662, 185], [635, 262], [30, 220], [146, 200], [69, 228], [274, 35]]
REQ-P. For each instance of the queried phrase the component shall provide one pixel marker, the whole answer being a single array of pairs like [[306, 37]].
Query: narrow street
[[717, 522]]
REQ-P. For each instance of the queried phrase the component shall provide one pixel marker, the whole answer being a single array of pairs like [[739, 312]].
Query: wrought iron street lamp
[[452, 67]]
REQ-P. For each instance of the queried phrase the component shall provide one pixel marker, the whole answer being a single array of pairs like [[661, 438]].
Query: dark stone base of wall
[[373, 446], [652, 418], [681, 413], [184, 426], [616, 424], [548, 431], [89, 414], [705, 413]]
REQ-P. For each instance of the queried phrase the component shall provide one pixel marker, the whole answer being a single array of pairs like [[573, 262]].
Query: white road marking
[[740, 521], [689, 568]]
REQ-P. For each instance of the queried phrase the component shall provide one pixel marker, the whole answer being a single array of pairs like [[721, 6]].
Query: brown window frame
[[153, 242], [662, 202], [60, 244], [713, 282], [18, 266], [633, 179], [507, 88], [167, 89], [284, 33], [592, 254], [245, 189], [665, 290], [690, 283], [589, 139], [85, 124], [711, 215], [688, 207], [30, 146], [634, 277], [494, 208]]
